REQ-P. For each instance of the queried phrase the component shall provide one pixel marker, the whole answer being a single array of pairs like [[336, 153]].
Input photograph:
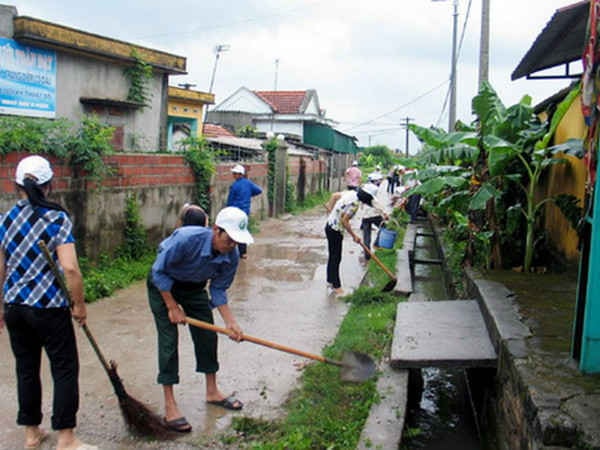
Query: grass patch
[[109, 274], [325, 412], [310, 201]]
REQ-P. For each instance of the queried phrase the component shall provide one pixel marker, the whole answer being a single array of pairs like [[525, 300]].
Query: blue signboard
[[27, 80]]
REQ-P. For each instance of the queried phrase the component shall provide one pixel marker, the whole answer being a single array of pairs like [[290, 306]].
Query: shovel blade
[[357, 367]]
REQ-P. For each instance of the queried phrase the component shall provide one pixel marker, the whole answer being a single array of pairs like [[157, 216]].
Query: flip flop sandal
[[228, 403], [180, 425]]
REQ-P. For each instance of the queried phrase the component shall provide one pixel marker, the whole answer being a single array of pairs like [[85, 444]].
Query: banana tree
[[503, 136]]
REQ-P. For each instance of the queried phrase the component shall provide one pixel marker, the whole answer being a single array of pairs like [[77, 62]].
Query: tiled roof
[[211, 130], [284, 102]]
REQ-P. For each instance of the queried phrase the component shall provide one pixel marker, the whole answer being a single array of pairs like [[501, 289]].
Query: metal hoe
[[356, 367]]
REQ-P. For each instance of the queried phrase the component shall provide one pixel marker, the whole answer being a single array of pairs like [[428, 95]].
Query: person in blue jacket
[[241, 192]]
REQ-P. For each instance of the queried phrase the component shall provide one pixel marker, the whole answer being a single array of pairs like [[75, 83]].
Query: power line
[[258, 19], [414, 100]]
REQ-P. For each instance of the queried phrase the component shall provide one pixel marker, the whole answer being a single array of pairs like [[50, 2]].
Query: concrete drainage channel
[[428, 408]]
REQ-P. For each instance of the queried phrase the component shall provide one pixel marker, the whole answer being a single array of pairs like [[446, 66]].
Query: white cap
[[34, 167], [370, 188], [238, 168], [355, 163], [235, 223], [375, 176]]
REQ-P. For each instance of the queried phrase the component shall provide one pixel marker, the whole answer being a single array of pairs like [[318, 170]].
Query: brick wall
[[162, 184]]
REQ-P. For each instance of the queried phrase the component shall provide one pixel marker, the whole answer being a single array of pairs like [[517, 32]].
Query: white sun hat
[[375, 176], [370, 189], [235, 223], [238, 168], [34, 167]]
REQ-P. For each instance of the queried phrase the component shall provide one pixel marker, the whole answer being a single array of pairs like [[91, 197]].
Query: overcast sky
[[373, 63]]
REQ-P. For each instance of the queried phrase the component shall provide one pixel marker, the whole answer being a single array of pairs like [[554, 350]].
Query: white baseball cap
[[238, 168], [34, 167], [355, 163], [370, 188], [235, 223]]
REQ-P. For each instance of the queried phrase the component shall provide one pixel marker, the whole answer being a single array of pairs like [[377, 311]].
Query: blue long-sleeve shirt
[[241, 192], [186, 255]]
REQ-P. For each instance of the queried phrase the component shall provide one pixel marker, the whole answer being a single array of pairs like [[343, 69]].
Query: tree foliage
[[495, 166]]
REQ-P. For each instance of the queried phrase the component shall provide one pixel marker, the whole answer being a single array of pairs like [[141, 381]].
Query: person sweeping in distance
[[36, 310], [186, 261], [340, 213]]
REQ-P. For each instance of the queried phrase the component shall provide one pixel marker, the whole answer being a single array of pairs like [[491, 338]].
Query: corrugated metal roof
[[560, 42]]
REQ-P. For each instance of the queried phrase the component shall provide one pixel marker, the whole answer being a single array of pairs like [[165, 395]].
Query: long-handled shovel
[[355, 366], [393, 280], [138, 416]]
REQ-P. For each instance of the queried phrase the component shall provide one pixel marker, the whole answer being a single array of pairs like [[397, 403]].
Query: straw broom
[[138, 417]]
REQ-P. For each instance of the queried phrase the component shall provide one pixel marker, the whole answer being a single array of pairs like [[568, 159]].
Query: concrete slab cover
[[448, 333]]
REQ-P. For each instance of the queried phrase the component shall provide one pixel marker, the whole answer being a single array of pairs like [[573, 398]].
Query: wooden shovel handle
[[263, 342], [377, 260]]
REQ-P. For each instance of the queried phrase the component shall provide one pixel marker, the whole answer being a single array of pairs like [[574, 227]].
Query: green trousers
[[193, 298]]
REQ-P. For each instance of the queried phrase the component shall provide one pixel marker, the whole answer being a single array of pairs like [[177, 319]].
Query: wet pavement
[[279, 294]]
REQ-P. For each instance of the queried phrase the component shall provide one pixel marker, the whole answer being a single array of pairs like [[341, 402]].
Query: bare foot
[[34, 436], [338, 291]]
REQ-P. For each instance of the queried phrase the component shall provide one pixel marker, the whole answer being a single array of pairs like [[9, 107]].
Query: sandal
[[230, 402], [180, 425]]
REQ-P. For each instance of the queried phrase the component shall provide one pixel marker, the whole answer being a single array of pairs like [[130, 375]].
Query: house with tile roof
[[295, 114], [76, 73]]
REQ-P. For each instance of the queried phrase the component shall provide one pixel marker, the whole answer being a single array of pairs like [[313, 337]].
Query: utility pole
[[484, 42], [406, 122], [276, 73], [452, 112]]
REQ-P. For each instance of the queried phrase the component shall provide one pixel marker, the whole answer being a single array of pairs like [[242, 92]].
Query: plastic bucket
[[387, 238]]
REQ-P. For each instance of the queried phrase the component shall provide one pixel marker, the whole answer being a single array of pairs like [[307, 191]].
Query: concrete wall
[[85, 77], [569, 178], [278, 127], [232, 120], [7, 12]]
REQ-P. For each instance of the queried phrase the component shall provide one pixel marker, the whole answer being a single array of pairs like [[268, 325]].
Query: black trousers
[[30, 330], [334, 245], [412, 206]]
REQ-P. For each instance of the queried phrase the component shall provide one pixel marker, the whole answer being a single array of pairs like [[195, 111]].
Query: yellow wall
[[182, 109], [566, 179], [189, 104]]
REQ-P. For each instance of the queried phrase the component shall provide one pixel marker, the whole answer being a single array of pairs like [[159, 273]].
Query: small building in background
[[295, 114], [54, 71], [186, 114]]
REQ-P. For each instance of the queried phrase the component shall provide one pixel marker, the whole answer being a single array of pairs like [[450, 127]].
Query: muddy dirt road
[[279, 294]]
